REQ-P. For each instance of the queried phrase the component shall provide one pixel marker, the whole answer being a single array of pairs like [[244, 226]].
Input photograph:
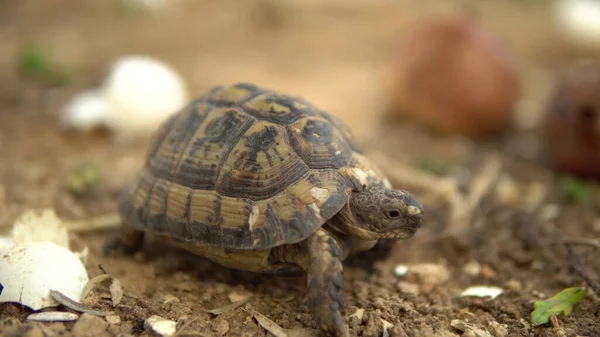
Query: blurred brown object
[[571, 129], [453, 77]]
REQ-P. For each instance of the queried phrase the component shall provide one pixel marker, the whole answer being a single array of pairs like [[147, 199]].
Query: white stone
[[401, 270], [162, 326]]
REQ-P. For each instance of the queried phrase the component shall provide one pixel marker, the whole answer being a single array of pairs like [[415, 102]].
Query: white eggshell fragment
[[482, 291], [580, 20], [31, 227], [140, 92], [84, 112], [52, 316], [29, 271]]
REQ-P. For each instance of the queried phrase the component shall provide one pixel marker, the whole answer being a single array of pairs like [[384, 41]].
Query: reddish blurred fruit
[[452, 76], [571, 129]]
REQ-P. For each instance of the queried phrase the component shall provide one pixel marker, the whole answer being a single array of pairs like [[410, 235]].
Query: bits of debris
[[472, 268], [269, 325], [428, 275], [386, 325], [161, 326], [514, 285], [487, 272], [482, 291], [113, 319], [507, 192], [469, 330], [52, 316], [115, 288], [229, 307], [222, 327], [408, 288], [358, 313], [89, 326], [237, 296], [497, 329]]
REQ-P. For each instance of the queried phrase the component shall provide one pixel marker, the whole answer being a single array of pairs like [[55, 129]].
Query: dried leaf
[[229, 307], [69, 303], [93, 283], [116, 291], [269, 325], [53, 316], [563, 302]]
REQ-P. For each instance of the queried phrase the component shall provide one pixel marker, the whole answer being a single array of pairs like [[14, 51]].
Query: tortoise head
[[382, 213]]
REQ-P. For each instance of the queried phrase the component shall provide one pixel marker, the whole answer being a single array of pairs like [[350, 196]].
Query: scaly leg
[[321, 257]]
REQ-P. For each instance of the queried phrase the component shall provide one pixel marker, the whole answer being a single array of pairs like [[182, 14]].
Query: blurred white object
[[140, 92], [580, 20], [29, 271], [31, 227], [84, 112], [482, 291]]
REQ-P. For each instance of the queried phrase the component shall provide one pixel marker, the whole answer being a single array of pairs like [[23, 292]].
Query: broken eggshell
[[29, 271], [138, 94]]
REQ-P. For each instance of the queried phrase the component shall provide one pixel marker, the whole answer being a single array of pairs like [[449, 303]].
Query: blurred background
[[487, 110]]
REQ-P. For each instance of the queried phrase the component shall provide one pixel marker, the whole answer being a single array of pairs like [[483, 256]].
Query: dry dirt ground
[[336, 55]]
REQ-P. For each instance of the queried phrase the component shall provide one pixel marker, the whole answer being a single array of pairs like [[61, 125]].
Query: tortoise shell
[[243, 167]]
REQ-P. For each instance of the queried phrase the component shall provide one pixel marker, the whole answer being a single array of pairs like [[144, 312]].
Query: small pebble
[[113, 319], [170, 299], [469, 330], [487, 272], [53, 316], [237, 296], [497, 329], [428, 274], [401, 270], [514, 285], [408, 288], [161, 326], [473, 268], [222, 327], [89, 326], [358, 313]]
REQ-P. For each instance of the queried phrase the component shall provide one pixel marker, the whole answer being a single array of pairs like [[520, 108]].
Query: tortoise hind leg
[[321, 257], [125, 240]]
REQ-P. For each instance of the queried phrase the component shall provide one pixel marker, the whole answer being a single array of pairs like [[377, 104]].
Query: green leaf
[[576, 190], [563, 302], [34, 62], [83, 178], [437, 167]]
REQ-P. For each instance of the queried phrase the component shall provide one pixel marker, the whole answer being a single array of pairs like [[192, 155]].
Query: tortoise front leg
[[321, 257]]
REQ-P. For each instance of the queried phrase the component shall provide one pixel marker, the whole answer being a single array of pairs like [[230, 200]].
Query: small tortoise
[[261, 181]]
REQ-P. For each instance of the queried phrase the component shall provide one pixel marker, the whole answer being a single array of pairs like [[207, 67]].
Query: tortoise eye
[[393, 213]]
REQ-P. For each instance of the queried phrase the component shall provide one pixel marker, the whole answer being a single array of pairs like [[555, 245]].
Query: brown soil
[[335, 55]]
